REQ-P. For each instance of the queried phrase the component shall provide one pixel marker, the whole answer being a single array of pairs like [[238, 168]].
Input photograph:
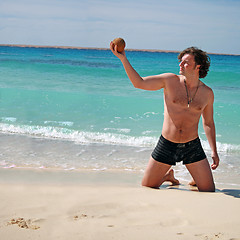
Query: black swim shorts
[[169, 152]]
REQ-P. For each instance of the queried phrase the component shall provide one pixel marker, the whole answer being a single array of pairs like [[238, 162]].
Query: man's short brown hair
[[201, 58]]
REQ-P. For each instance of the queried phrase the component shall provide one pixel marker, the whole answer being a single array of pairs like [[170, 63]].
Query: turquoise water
[[68, 92], [85, 96]]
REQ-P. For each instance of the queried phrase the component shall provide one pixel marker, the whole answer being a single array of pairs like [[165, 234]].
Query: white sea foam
[[77, 136], [119, 130], [8, 119], [118, 138], [150, 113], [66, 123], [69, 124], [222, 147]]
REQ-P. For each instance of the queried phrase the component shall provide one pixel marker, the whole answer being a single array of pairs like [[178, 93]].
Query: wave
[[222, 147], [85, 137], [8, 119], [78, 136], [65, 123]]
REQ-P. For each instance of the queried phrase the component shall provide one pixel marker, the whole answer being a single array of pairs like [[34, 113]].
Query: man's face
[[188, 65]]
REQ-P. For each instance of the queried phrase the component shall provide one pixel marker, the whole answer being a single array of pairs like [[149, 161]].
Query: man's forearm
[[131, 73], [211, 136]]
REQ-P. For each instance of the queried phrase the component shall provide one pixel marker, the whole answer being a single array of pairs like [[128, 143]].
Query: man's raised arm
[[147, 83]]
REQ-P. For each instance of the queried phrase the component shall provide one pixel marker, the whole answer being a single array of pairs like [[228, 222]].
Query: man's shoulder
[[171, 80], [207, 91], [206, 88], [171, 76]]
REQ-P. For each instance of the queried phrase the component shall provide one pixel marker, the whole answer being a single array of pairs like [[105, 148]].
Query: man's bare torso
[[180, 121]]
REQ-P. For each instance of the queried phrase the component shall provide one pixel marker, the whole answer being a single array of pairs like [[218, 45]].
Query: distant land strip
[[95, 48]]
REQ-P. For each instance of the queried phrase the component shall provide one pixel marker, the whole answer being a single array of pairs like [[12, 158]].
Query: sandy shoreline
[[96, 48], [50, 205]]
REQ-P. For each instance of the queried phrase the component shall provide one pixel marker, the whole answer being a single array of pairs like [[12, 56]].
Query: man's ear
[[198, 67]]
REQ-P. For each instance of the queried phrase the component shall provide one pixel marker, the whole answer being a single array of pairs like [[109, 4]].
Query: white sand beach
[[44, 204]]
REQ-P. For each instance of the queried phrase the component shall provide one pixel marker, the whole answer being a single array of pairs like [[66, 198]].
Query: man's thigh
[[202, 175], [154, 173]]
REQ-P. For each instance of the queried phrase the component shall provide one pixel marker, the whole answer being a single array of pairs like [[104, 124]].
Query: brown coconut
[[120, 44]]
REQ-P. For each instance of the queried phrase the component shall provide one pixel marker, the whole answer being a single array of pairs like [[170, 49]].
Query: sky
[[212, 25]]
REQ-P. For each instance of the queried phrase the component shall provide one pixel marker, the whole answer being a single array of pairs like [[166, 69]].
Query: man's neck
[[192, 81]]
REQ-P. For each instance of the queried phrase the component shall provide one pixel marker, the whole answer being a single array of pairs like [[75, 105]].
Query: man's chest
[[179, 99]]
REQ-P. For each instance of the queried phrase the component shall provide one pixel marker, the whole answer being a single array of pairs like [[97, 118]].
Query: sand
[[110, 205]]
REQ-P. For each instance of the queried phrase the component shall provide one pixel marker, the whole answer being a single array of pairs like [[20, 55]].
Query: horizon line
[[96, 48]]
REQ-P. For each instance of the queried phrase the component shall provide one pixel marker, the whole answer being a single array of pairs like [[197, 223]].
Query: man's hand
[[216, 160], [113, 48]]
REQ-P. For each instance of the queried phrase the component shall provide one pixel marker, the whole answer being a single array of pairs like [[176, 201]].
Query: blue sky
[[213, 25]]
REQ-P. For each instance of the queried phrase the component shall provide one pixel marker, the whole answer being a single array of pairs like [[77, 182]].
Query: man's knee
[[149, 184], [207, 188]]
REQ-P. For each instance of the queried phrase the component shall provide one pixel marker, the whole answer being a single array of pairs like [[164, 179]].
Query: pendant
[[188, 105]]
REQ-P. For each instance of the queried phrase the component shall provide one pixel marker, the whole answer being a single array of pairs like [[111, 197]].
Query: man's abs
[[179, 133]]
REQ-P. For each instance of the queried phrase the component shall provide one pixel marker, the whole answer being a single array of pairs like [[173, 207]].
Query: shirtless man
[[186, 99]]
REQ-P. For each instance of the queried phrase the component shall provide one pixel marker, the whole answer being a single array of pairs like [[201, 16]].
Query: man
[[186, 99]]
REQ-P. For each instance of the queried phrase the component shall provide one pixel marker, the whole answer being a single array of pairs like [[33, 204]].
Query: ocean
[[74, 109]]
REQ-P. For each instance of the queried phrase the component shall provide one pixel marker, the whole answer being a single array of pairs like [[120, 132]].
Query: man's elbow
[[138, 85], [209, 124]]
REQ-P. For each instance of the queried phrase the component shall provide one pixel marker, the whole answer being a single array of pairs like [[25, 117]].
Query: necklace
[[188, 98]]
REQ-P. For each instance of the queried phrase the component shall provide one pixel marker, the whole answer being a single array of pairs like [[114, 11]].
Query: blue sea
[[76, 109]]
